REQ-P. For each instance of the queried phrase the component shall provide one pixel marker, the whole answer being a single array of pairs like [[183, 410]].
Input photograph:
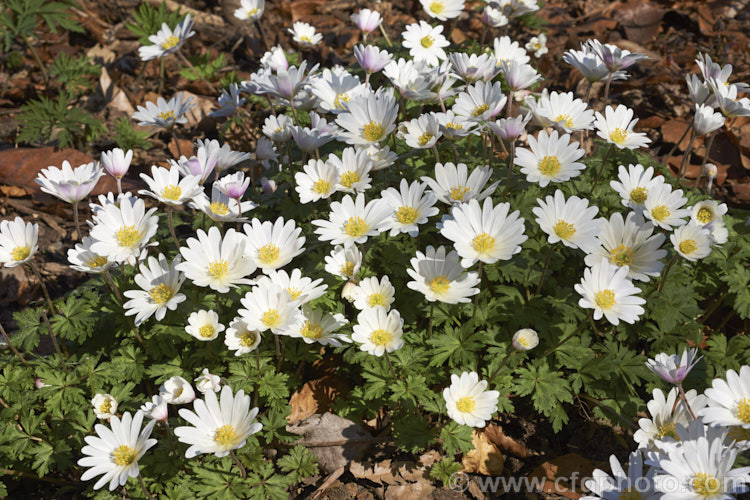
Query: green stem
[[238, 464], [476, 297], [567, 337], [13, 348], [601, 167], [510, 168], [686, 158], [666, 273], [390, 366], [429, 326], [502, 363], [544, 269], [38, 61], [171, 227], [38, 276]]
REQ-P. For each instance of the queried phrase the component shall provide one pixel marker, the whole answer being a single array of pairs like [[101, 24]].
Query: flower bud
[[349, 290], [711, 170], [208, 382], [525, 339]]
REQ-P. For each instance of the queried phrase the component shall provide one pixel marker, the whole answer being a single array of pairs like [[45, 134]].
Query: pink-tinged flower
[[370, 58], [673, 368], [234, 185], [613, 57], [71, 185], [367, 20], [510, 129], [117, 162], [157, 408]]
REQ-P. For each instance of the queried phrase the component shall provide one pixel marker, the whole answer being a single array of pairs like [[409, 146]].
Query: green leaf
[[548, 390], [299, 463], [456, 438]]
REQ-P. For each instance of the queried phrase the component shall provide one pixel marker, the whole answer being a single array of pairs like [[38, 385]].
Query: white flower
[[625, 242], [220, 207], [379, 331], [201, 165], [707, 211], [116, 162], [453, 126], [561, 110], [317, 181], [707, 120], [613, 57], [691, 241], [217, 427], [453, 184], [222, 154], [480, 102], [165, 185], [344, 262], [208, 382], [265, 151], [525, 339], [233, 185], [507, 50], [241, 339], [157, 408], [468, 401], [278, 128], [519, 75], [494, 17], [71, 185], [370, 58], [160, 283], [351, 221], [122, 232], [177, 391], [334, 89], [422, 132], [471, 68], [552, 158], [166, 41], [369, 118], [275, 60], [82, 259], [204, 325], [114, 454], [571, 221], [486, 234], [538, 45], [439, 276], [635, 185], [510, 129], [407, 76], [380, 156], [425, 43], [673, 368], [164, 114], [666, 413], [269, 307], [18, 242], [590, 65], [215, 261], [633, 484], [443, 9], [229, 102], [315, 326], [371, 292], [367, 20], [305, 34], [301, 288], [272, 245], [352, 170], [517, 8], [410, 207], [606, 289], [616, 127], [250, 10], [105, 406], [664, 206], [729, 400]]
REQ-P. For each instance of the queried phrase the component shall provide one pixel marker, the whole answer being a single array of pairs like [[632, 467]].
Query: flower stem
[[601, 167], [429, 325], [51, 333], [257, 374], [686, 158], [390, 366], [38, 60], [544, 270], [510, 167], [705, 158], [434, 150], [171, 227], [677, 144], [238, 464], [169, 435], [502, 363], [262, 35], [476, 297], [143, 487], [176, 141], [687, 404], [13, 348], [76, 220], [119, 184], [666, 272], [606, 89], [567, 337], [385, 35], [38, 276], [510, 104], [111, 283], [190, 65]]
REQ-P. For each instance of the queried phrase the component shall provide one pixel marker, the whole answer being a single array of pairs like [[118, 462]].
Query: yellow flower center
[[381, 337], [639, 195], [706, 485], [356, 227], [705, 215], [563, 230], [668, 430], [440, 285], [427, 42], [466, 404], [348, 179], [483, 244], [458, 193], [106, 406], [207, 331], [251, 13], [225, 436], [305, 38], [454, 126], [621, 256], [605, 299], [123, 456], [166, 115], [407, 215], [340, 99], [376, 299], [549, 166], [348, 268], [321, 186], [248, 339], [618, 136], [172, 192], [311, 330], [161, 294], [268, 254], [294, 292], [271, 318], [480, 109], [660, 213], [128, 236], [424, 138], [743, 411], [219, 208], [373, 131], [523, 340], [170, 42], [687, 246], [218, 269], [437, 7], [566, 119], [97, 261], [20, 253], [629, 494]]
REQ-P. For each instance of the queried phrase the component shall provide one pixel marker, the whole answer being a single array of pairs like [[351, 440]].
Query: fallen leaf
[[183, 147], [504, 443], [412, 491], [115, 98], [316, 396], [485, 458], [101, 55], [556, 474], [14, 191], [673, 130]]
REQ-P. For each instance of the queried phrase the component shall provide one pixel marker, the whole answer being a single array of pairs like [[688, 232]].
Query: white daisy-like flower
[[380, 156], [510, 129], [590, 65], [443, 9], [729, 400], [272, 245], [666, 413], [425, 43], [204, 325], [369, 118], [116, 162], [486, 233], [156, 409], [673, 368], [552, 158], [571, 221], [317, 181], [525, 339], [82, 259], [367, 20], [335, 88], [691, 241], [274, 60], [18, 242], [379, 331], [620, 485], [507, 50], [229, 102], [453, 184], [422, 132], [220, 207], [471, 67], [407, 76], [202, 164], [305, 34], [352, 221], [215, 261], [626, 243], [616, 127], [344, 262], [371, 59], [105, 406], [240, 338], [233, 185], [265, 151], [538, 45], [635, 184], [166, 186], [160, 284], [352, 170], [562, 110], [164, 114], [480, 102], [316, 326], [371, 292], [707, 120], [224, 156], [468, 401], [440, 277], [453, 126], [250, 10], [269, 307], [207, 382], [166, 41], [707, 212], [606, 289], [301, 288], [177, 391], [122, 232], [278, 128], [218, 427], [410, 206], [285, 84], [519, 75], [71, 185], [114, 453], [613, 57], [664, 206]]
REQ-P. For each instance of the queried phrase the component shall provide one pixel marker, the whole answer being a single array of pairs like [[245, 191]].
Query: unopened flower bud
[[525, 339], [348, 291]]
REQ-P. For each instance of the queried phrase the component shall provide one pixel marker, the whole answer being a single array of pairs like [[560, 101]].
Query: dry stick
[[190, 65], [18, 354], [38, 276]]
